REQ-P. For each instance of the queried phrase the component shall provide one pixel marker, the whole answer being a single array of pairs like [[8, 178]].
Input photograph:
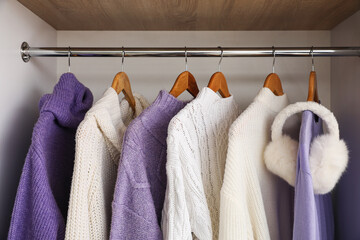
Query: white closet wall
[[345, 102], [21, 86], [245, 75]]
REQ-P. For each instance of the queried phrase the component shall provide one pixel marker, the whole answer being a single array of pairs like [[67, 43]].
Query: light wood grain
[[185, 82], [193, 14], [313, 95], [121, 83], [218, 83], [273, 82]]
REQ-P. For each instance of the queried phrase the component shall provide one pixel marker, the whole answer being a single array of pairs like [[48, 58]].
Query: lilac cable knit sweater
[[43, 193], [141, 181]]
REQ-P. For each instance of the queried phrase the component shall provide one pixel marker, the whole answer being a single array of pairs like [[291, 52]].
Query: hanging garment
[[313, 218], [197, 145], [43, 193], [141, 180], [98, 146], [327, 157], [255, 204]]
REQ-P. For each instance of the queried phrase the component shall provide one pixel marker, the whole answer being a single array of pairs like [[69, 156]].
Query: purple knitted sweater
[[42, 197], [141, 181]]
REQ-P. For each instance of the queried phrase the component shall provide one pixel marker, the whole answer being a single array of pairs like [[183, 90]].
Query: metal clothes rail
[[27, 52]]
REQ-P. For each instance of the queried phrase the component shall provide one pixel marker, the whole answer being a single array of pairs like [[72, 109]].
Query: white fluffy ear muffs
[[328, 154]]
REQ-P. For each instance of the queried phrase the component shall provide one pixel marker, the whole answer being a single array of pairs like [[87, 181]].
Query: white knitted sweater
[[255, 204], [196, 153], [98, 145]]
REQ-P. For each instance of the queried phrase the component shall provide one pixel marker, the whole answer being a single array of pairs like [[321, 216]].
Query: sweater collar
[[157, 117], [168, 104], [113, 118], [69, 101], [209, 98], [273, 102]]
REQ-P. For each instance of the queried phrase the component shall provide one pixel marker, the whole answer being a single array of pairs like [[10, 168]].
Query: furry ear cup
[[280, 158], [328, 160]]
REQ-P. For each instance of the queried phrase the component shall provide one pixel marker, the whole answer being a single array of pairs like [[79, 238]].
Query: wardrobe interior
[[22, 84]]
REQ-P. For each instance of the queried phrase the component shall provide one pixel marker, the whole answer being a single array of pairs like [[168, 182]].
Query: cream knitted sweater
[[98, 146], [196, 153], [255, 204]]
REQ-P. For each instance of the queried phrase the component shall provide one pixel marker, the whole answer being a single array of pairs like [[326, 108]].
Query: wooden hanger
[[185, 81], [121, 83], [218, 82], [273, 82], [312, 92]]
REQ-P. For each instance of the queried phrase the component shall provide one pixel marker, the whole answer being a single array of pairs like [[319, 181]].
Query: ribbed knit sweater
[[98, 146], [43, 193], [197, 145], [141, 180], [255, 204]]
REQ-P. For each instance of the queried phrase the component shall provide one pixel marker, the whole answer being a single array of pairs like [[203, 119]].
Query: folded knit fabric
[[98, 146], [43, 193], [141, 180]]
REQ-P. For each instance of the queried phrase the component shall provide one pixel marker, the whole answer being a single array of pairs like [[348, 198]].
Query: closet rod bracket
[[25, 56]]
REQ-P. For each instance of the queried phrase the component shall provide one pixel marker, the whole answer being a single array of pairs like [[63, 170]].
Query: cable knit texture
[[197, 145], [141, 180], [43, 193], [98, 146], [255, 204]]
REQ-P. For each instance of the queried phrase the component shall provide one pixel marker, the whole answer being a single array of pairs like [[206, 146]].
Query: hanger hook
[[274, 54], [312, 59], [221, 57], [186, 63], [69, 63], [122, 58]]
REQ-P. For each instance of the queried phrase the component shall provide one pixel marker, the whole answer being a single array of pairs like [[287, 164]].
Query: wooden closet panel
[[193, 14]]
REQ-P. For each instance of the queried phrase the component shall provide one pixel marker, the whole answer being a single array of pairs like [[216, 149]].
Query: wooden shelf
[[193, 14]]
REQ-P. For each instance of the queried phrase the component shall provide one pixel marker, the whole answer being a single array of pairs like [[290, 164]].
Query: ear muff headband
[[327, 117], [328, 154]]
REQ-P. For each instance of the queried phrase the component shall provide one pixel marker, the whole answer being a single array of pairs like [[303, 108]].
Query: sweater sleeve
[[175, 218], [242, 214], [35, 214], [185, 211], [79, 225], [133, 211]]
